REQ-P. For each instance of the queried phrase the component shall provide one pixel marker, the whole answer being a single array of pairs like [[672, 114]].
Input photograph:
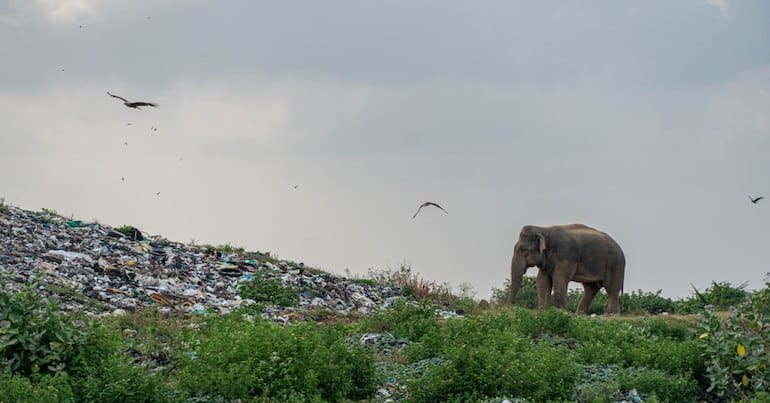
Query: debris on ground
[[96, 269]]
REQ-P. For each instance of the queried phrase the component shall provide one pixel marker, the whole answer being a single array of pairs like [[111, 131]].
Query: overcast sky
[[649, 120]]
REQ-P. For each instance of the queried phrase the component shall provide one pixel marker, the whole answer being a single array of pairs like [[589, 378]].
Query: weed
[[264, 289], [235, 359], [35, 336]]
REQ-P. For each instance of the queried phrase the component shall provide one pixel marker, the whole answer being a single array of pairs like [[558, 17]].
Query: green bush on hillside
[[264, 289], [35, 335], [737, 349], [720, 295], [232, 358]]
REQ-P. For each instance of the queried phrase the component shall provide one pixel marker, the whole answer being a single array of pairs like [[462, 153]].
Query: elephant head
[[527, 252]]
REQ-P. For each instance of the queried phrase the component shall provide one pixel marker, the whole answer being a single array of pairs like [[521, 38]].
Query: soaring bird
[[134, 105], [753, 200], [428, 204]]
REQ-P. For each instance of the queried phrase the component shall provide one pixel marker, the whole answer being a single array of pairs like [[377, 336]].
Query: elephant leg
[[544, 286], [562, 274], [589, 292], [613, 306], [613, 285]]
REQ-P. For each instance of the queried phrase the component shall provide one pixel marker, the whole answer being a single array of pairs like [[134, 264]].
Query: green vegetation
[[264, 289], [496, 353], [737, 350]]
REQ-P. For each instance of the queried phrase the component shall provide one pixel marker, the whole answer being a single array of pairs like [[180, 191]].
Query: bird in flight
[[125, 142], [753, 200], [157, 194], [296, 186], [428, 204], [134, 105]]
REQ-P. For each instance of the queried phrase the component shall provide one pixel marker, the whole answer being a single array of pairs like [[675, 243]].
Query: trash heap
[[93, 268]]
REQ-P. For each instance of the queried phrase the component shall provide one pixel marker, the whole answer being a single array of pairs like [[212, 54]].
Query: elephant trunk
[[518, 268]]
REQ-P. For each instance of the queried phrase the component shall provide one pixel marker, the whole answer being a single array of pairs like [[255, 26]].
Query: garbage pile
[[93, 268]]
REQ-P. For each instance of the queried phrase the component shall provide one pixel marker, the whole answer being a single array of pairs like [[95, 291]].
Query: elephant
[[564, 253]]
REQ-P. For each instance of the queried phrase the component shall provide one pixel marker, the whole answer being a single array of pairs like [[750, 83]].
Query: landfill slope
[[92, 268]]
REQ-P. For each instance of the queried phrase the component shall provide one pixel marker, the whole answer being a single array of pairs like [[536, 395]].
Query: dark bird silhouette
[[135, 105], [154, 129], [296, 186], [123, 178], [157, 194], [753, 200], [125, 142], [429, 204]]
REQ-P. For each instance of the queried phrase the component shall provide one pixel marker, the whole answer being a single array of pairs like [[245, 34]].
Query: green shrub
[[412, 321], [611, 383], [35, 336], [103, 371], [552, 321], [231, 358], [652, 344], [264, 289], [526, 297], [719, 295], [503, 366], [651, 383], [737, 351], [638, 302], [43, 389]]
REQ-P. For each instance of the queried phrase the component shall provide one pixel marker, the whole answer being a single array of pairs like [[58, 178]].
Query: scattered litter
[[93, 268]]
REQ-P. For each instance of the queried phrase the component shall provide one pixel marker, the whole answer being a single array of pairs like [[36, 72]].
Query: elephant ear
[[542, 242]]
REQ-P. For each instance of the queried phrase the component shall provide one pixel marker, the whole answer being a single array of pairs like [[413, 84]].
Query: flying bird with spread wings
[[135, 105], [428, 204], [753, 200]]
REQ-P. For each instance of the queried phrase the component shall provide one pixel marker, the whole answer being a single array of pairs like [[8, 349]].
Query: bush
[[535, 323], [43, 389], [35, 336], [659, 384], [526, 297], [102, 371], [503, 366], [719, 295], [264, 289], [231, 358], [737, 352], [412, 321]]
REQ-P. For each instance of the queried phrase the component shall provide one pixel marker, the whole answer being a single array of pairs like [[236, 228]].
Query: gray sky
[[647, 119]]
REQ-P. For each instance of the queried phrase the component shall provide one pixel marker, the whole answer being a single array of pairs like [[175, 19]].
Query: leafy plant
[[503, 366], [720, 295], [526, 297], [41, 389], [264, 289], [35, 336], [235, 359], [737, 351], [130, 232]]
